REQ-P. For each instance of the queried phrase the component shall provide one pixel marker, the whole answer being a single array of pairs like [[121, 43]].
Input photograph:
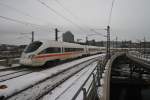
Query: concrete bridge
[[123, 77]]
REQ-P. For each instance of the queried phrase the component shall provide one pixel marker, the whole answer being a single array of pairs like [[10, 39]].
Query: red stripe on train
[[54, 55]]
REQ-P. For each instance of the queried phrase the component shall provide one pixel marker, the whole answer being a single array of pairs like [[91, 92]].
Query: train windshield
[[33, 46]]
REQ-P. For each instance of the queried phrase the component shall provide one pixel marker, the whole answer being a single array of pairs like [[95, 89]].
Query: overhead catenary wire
[[109, 19], [56, 12], [27, 23], [67, 10], [98, 33], [18, 21], [59, 14], [22, 22], [110, 13], [17, 10], [15, 20], [22, 12]]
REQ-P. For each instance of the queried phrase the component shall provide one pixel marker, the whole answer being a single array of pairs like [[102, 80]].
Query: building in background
[[11, 51], [68, 37]]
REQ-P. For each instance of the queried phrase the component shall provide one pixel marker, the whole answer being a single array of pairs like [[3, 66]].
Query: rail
[[44, 83]]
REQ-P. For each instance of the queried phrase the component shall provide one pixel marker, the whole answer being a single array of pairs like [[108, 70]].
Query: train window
[[93, 49], [33, 46], [68, 49], [79, 49], [73, 49], [51, 50]]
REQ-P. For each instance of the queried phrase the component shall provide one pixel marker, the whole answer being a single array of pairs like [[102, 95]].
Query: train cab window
[[51, 50], [33, 46]]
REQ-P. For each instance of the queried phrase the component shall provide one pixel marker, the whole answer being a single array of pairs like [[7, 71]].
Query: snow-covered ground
[[68, 89], [13, 63], [20, 83], [45, 86], [2, 60], [3, 67], [9, 72]]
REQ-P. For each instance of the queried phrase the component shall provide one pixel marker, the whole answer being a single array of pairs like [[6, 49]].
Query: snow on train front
[[28, 54]]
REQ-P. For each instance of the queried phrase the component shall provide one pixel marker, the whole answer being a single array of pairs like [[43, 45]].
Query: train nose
[[26, 60]]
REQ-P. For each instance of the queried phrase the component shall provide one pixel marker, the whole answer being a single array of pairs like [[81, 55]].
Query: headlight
[[31, 56]]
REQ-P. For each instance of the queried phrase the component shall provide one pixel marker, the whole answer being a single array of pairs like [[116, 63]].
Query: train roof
[[59, 43], [65, 44]]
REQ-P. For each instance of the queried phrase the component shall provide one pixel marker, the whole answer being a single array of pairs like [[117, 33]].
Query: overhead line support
[[108, 43]]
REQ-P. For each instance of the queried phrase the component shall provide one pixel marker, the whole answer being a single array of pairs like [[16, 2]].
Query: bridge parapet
[[97, 84], [144, 62], [104, 88], [88, 90], [141, 56]]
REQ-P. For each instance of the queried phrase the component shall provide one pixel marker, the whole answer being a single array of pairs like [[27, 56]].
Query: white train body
[[39, 53]]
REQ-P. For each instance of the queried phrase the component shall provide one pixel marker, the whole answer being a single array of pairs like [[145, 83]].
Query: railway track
[[11, 68], [13, 72], [10, 74], [67, 89], [44, 86], [38, 85]]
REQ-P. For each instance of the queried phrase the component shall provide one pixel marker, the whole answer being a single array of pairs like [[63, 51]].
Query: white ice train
[[40, 53]]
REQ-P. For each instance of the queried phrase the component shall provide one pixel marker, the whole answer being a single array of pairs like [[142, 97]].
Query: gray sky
[[130, 19]]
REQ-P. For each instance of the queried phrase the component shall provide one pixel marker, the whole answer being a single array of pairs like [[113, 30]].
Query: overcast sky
[[130, 19]]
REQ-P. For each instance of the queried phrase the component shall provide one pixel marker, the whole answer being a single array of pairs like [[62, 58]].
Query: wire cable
[[21, 12], [18, 21], [57, 13], [110, 13], [98, 33], [67, 10]]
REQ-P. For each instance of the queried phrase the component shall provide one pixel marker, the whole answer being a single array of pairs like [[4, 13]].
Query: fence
[[89, 90]]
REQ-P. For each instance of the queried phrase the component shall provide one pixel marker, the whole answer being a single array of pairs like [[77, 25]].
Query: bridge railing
[[85, 89], [140, 55], [90, 89], [105, 82], [104, 88]]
